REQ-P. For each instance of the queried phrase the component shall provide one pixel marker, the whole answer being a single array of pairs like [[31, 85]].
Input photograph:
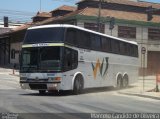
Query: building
[[130, 23], [41, 16], [5, 43]]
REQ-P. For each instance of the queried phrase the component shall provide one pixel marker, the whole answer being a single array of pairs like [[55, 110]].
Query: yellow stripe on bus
[[56, 44], [42, 45], [26, 46]]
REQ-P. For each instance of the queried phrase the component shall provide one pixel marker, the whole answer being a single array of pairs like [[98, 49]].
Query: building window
[[94, 27], [153, 34], [126, 32], [13, 54]]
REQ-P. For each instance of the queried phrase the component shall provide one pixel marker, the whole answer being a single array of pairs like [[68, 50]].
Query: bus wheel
[[78, 85], [125, 81], [42, 92], [119, 82]]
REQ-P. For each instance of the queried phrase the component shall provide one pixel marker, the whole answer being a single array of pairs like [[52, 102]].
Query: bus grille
[[38, 86], [39, 80]]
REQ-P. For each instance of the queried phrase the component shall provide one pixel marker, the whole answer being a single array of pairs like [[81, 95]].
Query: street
[[15, 100]]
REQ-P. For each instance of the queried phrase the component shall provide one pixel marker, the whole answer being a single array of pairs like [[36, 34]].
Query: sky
[[25, 9], [33, 5]]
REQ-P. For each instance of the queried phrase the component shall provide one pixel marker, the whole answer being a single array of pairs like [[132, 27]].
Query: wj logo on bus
[[102, 68]]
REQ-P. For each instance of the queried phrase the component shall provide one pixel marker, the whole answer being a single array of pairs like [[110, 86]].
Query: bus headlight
[[57, 78], [54, 78]]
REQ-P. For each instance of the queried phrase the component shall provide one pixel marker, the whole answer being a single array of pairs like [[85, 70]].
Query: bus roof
[[80, 28]]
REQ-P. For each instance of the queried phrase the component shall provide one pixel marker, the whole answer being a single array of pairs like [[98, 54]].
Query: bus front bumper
[[40, 85]]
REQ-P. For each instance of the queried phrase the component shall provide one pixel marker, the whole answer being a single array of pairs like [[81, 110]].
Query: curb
[[14, 75], [140, 95]]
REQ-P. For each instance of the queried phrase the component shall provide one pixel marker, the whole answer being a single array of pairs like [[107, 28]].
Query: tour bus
[[67, 57]]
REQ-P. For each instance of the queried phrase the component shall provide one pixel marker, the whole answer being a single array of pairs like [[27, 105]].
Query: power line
[[70, 1], [16, 16], [16, 12], [66, 0]]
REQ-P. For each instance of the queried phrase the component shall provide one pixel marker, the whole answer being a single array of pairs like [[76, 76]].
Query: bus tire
[[42, 92], [78, 85], [119, 82], [125, 81]]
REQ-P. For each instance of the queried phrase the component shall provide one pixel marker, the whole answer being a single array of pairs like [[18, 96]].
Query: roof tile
[[129, 2], [43, 14], [66, 8], [119, 14]]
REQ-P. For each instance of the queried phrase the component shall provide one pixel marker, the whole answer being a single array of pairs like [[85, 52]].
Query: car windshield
[[44, 59], [44, 35]]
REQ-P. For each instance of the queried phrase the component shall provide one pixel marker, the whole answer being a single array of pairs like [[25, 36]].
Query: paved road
[[15, 100]]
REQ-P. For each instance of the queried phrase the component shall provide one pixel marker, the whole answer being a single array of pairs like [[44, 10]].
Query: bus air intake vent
[[38, 86]]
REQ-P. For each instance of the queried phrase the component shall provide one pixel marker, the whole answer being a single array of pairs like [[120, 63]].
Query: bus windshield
[[44, 35], [42, 59]]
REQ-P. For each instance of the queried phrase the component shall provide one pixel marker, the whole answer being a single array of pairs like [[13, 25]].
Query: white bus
[[68, 57]]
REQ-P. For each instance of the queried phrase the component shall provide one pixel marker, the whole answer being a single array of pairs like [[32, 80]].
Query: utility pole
[[111, 24], [40, 5], [99, 15]]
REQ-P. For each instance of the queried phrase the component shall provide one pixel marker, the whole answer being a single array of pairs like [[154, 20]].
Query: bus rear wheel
[[119, 82], [125, 81], [78, 85]]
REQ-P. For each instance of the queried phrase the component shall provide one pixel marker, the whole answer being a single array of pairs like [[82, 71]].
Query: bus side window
[[128, 50], [83, 39], [70, 59], [122, 48], [136, 51], [67, 61], [125, 49], [95, 42], [115, 46], [106, 44], [71, 36], [74, 59], [131, 50]]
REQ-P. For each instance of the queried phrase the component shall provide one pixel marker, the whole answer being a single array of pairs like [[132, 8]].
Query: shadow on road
[[69, 93]]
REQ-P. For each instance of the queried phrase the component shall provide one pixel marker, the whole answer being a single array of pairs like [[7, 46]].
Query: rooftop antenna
[[40, 5]]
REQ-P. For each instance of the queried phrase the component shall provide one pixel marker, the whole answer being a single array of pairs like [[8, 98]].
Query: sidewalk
[[15, 73], [9, 71], [137, 89]]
